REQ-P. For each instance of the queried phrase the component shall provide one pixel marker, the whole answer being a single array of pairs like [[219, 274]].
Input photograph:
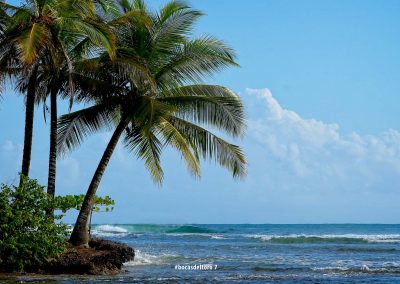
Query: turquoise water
[[255, 254]]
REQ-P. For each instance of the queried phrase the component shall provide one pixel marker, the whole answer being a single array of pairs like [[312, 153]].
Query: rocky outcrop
[[102, 258]]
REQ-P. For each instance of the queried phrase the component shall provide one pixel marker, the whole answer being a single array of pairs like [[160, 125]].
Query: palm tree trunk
[[80, 233], [29, 115], [51, 183]]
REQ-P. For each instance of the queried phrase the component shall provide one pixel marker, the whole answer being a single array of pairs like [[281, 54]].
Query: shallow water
[[253, 254]]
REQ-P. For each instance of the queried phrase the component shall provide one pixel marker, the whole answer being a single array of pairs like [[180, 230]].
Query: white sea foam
[[218, 237], [111, 228], [109, 231], [143, 258], [377, 238], [364, 268]]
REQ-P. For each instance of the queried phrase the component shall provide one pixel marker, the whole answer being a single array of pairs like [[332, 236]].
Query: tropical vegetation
[[28, 236], [140, 74]]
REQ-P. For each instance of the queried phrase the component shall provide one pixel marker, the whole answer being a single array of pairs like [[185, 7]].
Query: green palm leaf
[[98, 33], [171, 27], [211, 105], [31, 41], [196, 59], [212, 147], [174, 138], [137, 4], [74, 127], [133, 17], [145, 144]]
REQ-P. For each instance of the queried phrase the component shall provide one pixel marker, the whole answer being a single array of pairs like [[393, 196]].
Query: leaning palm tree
[[152, 95], [38, 37]]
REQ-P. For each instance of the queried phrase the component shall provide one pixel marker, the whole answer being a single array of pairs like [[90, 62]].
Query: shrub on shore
[[29, 237]]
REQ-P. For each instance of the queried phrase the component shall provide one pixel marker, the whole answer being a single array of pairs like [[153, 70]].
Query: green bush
[[67, 202], [28, 236]]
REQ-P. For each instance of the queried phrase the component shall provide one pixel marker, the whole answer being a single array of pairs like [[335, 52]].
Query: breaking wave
[[151, 229], [190, 230], [109, 231], [340, 239], [144, 258]]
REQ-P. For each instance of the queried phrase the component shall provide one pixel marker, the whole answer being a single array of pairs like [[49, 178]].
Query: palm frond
[[196, 59], [98, 33], [174, 23], [81, 49], [108, 7], [170, 8], [31, 41], [174, 138], [2, 85], [212, 147], [126, 67], [210, 105], [132, 17], [72, 8], [89, 89], [138, 73], [7, 7], [145, 144], [139, 5], [4, 19], [125, 5], [74, 127]]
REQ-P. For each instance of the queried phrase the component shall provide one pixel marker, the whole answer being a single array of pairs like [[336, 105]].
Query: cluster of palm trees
[[139, 72]]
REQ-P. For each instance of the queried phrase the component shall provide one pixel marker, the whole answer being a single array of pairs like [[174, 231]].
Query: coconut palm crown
[[152, 95], [35, 40]]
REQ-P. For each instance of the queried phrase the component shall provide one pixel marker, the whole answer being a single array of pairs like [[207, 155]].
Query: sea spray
[[327, 238]]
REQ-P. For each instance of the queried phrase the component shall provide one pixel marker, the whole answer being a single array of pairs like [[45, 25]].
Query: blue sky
[[321, 84]]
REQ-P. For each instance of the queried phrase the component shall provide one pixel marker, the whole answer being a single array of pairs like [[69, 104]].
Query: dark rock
[[124, 252], [102, 258]]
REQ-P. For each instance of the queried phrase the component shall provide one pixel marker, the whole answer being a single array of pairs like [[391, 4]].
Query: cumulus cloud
[[10, 147], [314, 153], [12, 150]]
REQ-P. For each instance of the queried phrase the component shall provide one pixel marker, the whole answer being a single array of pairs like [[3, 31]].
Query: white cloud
[[313, 153], [12, 149], [8, 146]]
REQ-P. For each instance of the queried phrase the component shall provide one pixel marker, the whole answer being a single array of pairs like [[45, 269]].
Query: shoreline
[[103, 257], [256, 254]]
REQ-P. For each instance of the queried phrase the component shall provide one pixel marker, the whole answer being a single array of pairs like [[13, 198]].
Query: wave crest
[[340, 239], [190, 230], [145, 258], [109, 231]]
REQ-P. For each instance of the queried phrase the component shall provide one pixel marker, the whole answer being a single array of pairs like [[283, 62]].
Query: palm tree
[[4, 18], [58, 70], [39, 37], [10, 61], [152, 95]]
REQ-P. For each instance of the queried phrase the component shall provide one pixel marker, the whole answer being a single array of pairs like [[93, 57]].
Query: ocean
[[344, 253]]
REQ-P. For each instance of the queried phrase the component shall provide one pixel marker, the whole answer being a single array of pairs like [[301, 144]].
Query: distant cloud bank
[[311, 153]]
